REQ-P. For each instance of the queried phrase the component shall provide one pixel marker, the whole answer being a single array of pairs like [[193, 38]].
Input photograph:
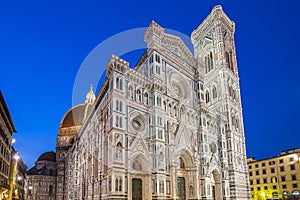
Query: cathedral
[[170, 127]]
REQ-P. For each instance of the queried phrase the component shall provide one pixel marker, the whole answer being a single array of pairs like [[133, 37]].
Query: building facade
[[6, 129], [275, 177], [41, 179], [169, 128]]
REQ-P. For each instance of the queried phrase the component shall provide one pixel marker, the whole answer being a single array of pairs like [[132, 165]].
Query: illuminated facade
[[169, 128], [275, 177]]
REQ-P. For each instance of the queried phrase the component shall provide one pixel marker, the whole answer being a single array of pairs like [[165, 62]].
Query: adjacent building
[[169, 128], [6, 129], [41, 179], [275, 177]]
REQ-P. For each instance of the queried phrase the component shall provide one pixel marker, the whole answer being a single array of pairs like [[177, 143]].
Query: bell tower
[[215, 52]]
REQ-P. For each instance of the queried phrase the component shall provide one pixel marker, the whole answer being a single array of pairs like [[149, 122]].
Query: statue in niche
[[180, 163], [137, 165], [119, 151]]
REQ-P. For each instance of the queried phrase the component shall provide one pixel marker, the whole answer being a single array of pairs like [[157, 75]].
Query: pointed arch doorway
[[181, 178]]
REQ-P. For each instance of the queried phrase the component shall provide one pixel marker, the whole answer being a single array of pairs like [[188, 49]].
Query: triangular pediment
[[182, 138]]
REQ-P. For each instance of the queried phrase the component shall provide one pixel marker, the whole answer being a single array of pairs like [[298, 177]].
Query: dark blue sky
[[43, 44]]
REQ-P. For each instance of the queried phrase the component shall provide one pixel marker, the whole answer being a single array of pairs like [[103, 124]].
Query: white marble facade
[[169, 128]]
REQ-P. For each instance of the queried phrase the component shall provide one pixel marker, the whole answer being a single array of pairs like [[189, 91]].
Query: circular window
[[177, 89], [138, 123], [179, 86]]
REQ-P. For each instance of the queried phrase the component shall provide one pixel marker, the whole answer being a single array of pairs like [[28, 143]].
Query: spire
[[90, 97]]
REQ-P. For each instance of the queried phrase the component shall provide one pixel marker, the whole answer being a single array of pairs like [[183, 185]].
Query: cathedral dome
[[48, 156], [75, 116]]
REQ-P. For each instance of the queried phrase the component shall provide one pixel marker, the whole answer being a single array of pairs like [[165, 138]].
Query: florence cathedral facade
[[169, 128]]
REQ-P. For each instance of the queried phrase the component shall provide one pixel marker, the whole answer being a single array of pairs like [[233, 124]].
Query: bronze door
[[181, 188], [137, 189]]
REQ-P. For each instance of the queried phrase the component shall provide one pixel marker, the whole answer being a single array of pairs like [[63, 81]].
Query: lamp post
[[12, 180]]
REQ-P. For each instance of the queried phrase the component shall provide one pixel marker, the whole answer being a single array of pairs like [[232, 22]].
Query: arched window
[[160, 134], [228, 57], [211, 64], [214, 91], [130, 91], [50, 189], [119, 83], [158, 69], [139, 95], [207, 98], [118, 184], [118, 121], [146, 100], [161, 187], [119, 105], [170, 109], [158, 101]]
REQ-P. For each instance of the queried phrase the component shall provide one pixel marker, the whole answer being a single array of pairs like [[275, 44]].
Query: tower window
[[118, 184], [207, 98], [119, 83], [139, 95], [209, 65], [118, 121], [214, 91], [119, 105], [157, 58], [146, 100], [158, 99], [158, 69], [228, 57]]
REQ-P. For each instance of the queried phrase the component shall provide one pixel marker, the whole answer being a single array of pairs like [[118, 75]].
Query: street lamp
[[16, 156], [19, 178], [29, 193]]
